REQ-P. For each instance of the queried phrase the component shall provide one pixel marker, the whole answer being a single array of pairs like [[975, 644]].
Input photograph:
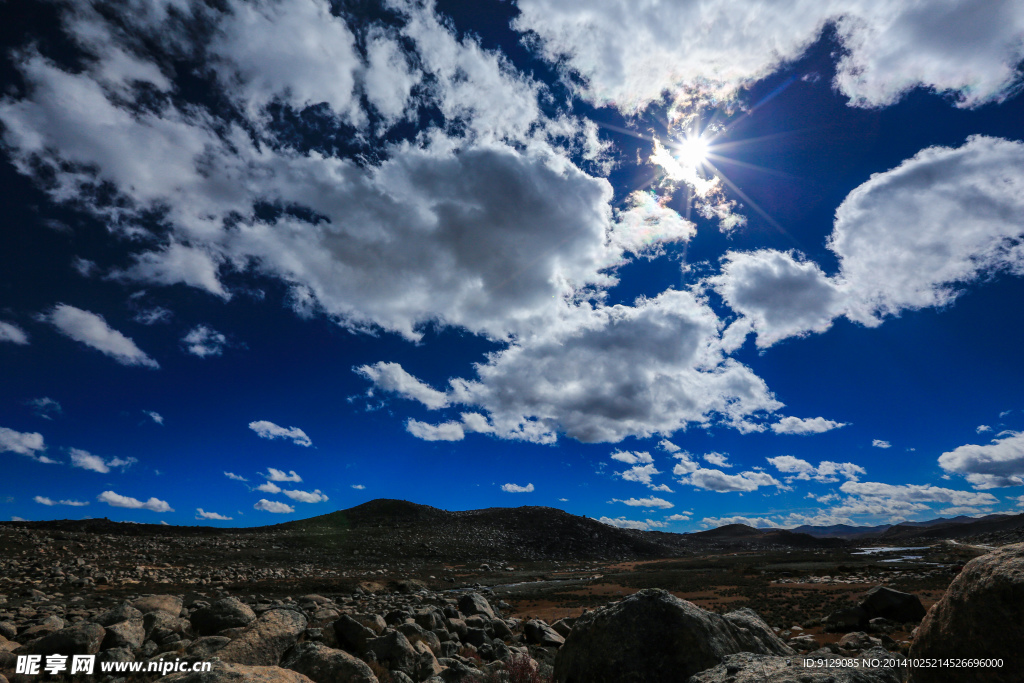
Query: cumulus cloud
[[447, 431], [23, 443], [119, 501], [236, 477], [516, 488], [277, 475], [202, 514], [10, 332], [630, 55], [306, 496], [645, 502], [272, 506], [639, 473], [269, 487], [393, 378], [358, 487], [825, 472], [269, 430], [623, 523], [43, 500], [716, 480], [668, 446], [719, 459], [996, 464], [756, 522], [88, 461], [686, 464], [155, 416], [679, 517], [917, 493], [907, 239], [93, 331], [879, 443], [812, 425], [204, 341], [638, 458]]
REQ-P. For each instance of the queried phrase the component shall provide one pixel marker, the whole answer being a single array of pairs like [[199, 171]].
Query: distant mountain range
[[934, 529]]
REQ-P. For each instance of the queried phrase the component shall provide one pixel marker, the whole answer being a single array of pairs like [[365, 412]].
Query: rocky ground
[[336, 600]]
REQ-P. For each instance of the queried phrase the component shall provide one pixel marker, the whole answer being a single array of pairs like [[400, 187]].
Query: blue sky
[[667, 267]]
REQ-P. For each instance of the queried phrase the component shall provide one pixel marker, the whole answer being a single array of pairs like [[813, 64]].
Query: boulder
[[352, 635], [539, 633], [128, 634], [891, 604], [474, 603], [122, 612], [981, 616], [222, 672], [203, 648], [225, 613], [753, 668], [266, 640], [654, 637], [81, 639], [326, 665], [846, 620], [159, 603], [394, 651]]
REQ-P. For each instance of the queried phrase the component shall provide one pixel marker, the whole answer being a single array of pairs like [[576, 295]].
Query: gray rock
[[654, 637], [8, 630], [326, 665], [80, 639], [394, 651], [474, 603], [539, 633], [128, 634], [981, 616], [352, 635], [266, 640], [225, 613], [753, 668], [846, 620], [162, 603], [203, 648], [122, 612]]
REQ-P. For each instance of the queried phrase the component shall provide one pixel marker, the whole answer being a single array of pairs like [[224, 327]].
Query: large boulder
[[266, 639], [474, 603], [222, 672], [654, 637], [327, 665], [81, 639], [159, 603], [128, 634], [122, 612], [846, 619], [225, 613], [752, 668], [539, 633], [891, 604], [394, 650], [981, 616], [352, 635]]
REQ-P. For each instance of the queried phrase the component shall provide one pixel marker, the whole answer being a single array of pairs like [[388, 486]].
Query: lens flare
[[692, 151]]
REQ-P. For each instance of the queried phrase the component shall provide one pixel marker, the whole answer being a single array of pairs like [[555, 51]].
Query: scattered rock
[[326, 665], [895, 605], [754, 668], [225, 613], [266, 640], [222, 672]]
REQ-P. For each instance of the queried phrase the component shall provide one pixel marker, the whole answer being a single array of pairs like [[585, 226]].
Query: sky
[[668, 266]]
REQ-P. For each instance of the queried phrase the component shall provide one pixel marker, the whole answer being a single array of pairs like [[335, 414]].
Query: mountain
[[743, 535], [905, 528]]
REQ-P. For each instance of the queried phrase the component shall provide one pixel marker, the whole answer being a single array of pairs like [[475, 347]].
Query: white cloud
[[639, 473], [686, 465], [153, 316], [43, 500], [358, 487], [10, 332], [45, 407], [756, 522], [15, 518], [630, 55], [678, 518], [175, 264], [269, 487], [269, 430], [716, 480], [277, 475], [879, 443], [119, 501], [652, 502], [306, 496], [92, 330], [88, 461], [155, 416], [623, 523], [201, 514], [667, 445], [719, 459], [236, 477], [24, 443], [980, 429], [392, 377], [915, 493], [965, 510], [812, 425], [909, 238], [640, 457], [447, 431], [272, 506], [825, 472], [516, 488], [996, 464], [204, 341]]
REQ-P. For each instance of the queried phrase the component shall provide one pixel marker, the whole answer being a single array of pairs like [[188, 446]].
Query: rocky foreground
[[420, 636]]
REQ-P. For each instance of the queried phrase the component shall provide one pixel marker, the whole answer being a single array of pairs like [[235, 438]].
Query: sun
[[692, 151]]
